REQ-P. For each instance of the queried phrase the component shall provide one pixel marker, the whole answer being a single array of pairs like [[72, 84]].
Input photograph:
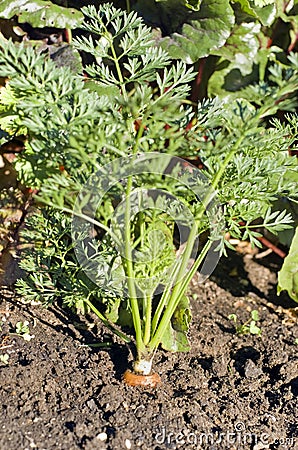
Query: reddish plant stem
[[269, 42], [273, 247], [67, 35], [269, 244], [198, 81], [293, 43]]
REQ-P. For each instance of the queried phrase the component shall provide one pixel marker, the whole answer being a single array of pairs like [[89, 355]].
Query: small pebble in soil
[[91, 405], [219, 367], [125, 406], [251, 370], [127, 444], [102, 437], [269, 418]]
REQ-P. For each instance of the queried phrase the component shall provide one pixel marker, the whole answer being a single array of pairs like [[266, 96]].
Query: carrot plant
[[122, 222]]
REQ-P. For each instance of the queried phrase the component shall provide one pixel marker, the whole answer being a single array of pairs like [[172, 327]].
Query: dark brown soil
[[229, 392]]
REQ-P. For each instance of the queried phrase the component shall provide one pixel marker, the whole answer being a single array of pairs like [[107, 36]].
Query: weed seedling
[[4, 358], [248, 327], [22, 330]]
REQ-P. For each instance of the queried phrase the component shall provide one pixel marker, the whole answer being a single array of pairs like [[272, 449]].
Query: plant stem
[[107, 323], [165, 296], [147, 319], [119, 72], [128, 265], [128, 6], [179, 273], [195, 266], [116, 61], [180, 289], [68, 35], [171, 299], [195, 92]]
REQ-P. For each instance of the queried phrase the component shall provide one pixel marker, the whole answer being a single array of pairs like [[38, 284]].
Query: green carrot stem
[[171, 299], [177, 293], [147, 319], [128, 265], [166, 293], [107, 323]]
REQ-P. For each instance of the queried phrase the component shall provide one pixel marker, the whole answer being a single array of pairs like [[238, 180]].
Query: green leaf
[[110, 91], [288, 275], [112, 309], [40, 13], [193, 4], [232, 317], [255, 315], [226, 79], [201, 32], [236, 68], [253, 329], [265, 12], [125, 316], [4, 358], [22, 327], [261, 3], [241, 47], [182, 316], [175, 337], [285, 237]]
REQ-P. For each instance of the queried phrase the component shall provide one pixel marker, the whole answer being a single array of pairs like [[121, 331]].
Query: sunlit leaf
[[40, 13], [288, 275], [200, 31], [241, 47], [204, 31], [175, 336]]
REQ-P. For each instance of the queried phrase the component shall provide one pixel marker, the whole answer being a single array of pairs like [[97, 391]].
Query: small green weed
[[4, 358], [248, 327], [22, 330]]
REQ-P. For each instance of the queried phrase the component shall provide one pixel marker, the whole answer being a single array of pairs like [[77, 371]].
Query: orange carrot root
[[133, 379]]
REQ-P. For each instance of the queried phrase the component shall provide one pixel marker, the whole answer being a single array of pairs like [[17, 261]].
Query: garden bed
[[90, 174], [229, 392]]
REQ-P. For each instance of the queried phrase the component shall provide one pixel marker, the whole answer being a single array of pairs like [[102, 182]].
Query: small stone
[[269, 418], [125, 406], [91, 404], [102, 437], [251, 370], [127, 444]]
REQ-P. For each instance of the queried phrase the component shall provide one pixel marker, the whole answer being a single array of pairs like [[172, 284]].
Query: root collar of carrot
[[134, 379]]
